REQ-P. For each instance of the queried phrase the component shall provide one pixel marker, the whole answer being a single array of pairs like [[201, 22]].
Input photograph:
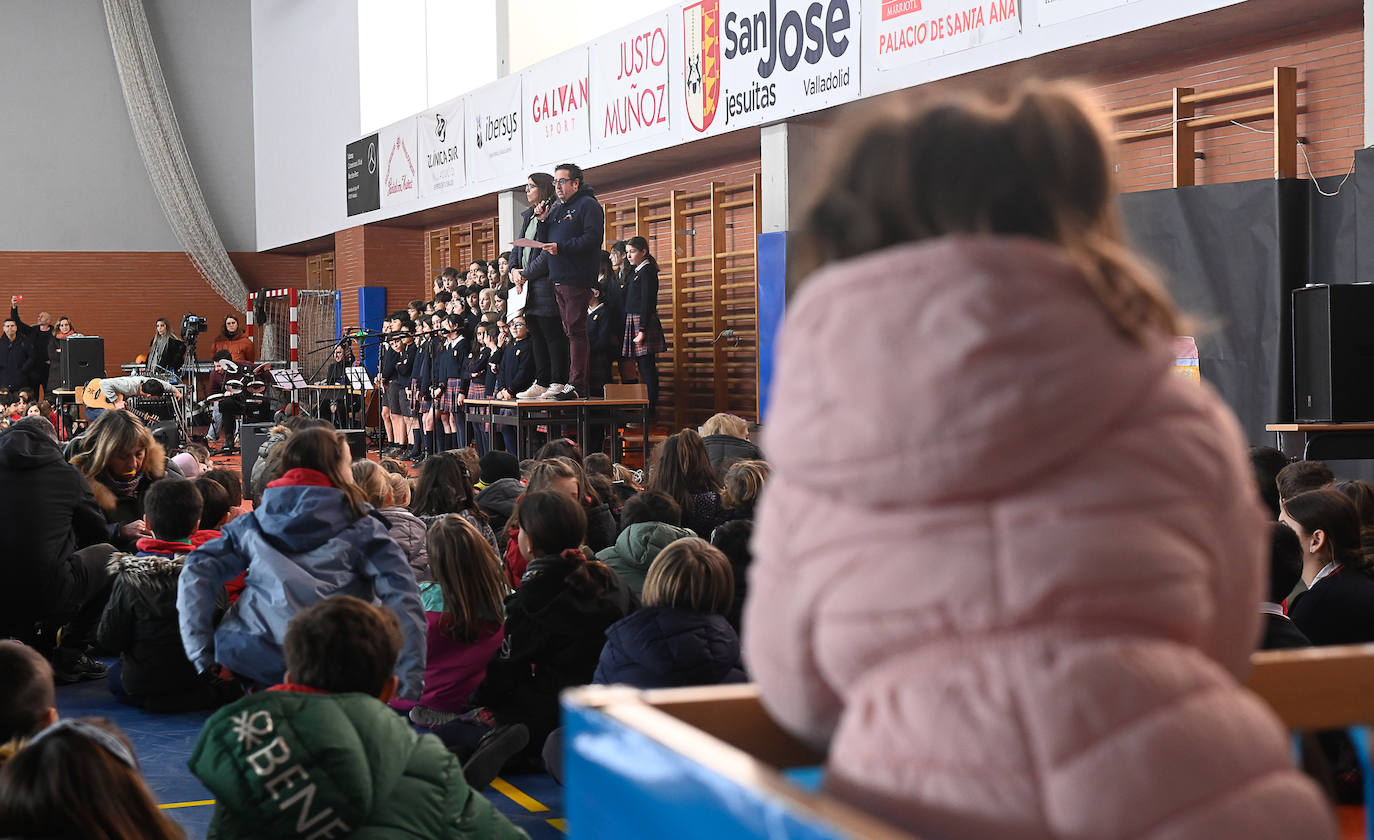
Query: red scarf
[[302, 477]]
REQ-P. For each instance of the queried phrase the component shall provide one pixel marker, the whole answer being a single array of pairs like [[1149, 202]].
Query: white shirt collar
[[1329, 569], [1270, 608]]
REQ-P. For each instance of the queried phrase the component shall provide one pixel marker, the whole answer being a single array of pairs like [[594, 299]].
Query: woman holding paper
[[548, 342]]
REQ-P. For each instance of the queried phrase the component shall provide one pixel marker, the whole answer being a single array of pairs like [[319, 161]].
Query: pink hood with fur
[[1009, 564]]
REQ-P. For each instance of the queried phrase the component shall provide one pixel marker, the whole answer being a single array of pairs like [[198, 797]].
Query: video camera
[[192, 326]]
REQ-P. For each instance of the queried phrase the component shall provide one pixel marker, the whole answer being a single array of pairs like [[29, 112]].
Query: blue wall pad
[[371, 313], [772, 278]]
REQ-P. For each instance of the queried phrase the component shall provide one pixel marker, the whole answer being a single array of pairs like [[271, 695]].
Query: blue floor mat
[[163, 743]]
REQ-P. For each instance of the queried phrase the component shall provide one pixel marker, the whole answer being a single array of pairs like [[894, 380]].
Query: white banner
[[493, 131], [629, 73], [399, 162], [747, 62], [903, 32], [556, 111], [441, 149], [1058, 11]]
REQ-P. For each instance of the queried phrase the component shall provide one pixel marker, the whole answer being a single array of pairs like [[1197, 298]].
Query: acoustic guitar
[[93, 397]]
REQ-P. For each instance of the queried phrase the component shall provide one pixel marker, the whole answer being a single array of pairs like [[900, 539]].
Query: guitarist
[[116, 391]]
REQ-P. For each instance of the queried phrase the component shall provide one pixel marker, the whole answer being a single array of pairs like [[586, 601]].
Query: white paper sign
[[556, 111], [400, 174], [904, 32], [441, 149], [747, 62], [493, 131], [629, 73], [1058, 11]]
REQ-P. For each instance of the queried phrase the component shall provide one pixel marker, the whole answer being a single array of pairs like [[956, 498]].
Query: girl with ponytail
[[555, 628], [1338, 606]]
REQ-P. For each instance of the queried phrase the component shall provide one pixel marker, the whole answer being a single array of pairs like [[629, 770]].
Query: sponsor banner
[[441, 149], [493, 131], [747, 62], [362, 175], [556, 111], [629, 75], [1058, 11], [904, 32], [399, 162]]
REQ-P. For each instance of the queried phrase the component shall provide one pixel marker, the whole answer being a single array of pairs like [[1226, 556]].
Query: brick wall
[[1329, 57], [119, 294], [377, 255]]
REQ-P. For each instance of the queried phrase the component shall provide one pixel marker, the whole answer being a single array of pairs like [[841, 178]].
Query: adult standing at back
[[577, 227], [530, 266], [235, 340]]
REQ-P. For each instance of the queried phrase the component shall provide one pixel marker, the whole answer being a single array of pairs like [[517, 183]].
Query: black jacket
[[1339, 610], [724, 450], [1282, 634], [47, 513], [661, 647], [534, 264], [605, 333], [554, 636], [42, 347], [140, 624], [16, 362], [641, 293], [578, 226], [173, 357]]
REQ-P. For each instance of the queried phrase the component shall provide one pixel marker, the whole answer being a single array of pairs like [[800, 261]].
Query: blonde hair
[[370, 476], [690, 574], [744, 484], [400, 490], [726, 424], [1036, 163], [115, 434]]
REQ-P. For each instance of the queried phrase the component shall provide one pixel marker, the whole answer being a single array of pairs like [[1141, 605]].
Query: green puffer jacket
[[289, 763], [635, 549]]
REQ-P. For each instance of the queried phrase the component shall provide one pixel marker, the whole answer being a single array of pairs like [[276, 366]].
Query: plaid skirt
[[653, 339], [477, 389], [419, 399], [448, 403]]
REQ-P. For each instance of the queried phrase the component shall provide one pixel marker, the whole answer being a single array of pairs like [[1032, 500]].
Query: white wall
[[74, 179], [305, 110]]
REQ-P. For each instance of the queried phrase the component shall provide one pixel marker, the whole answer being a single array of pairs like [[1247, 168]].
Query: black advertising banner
[[364, 191]]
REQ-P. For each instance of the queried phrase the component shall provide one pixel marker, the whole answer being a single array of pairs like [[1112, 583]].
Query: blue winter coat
[[304, 545], [662, 647]]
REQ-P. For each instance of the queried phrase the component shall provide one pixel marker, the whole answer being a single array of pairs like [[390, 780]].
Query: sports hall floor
[[164, 742]]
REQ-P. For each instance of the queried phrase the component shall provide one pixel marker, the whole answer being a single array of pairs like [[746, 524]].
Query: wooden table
[[1325, 441], [527, 415]]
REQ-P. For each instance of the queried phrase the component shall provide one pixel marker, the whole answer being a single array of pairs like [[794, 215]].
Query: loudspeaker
[[251, 436], [357, 442], [83, 359], [1333, 353]]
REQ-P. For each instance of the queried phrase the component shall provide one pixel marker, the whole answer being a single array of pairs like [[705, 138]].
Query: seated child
[[214, 510], [465, 612], [1285, 569], [680, 636], [322, 756], [28, 703], [232, 483], [407, 529], [743, 485], [79, 778], [140, 619], [313, 536], [651, 522]]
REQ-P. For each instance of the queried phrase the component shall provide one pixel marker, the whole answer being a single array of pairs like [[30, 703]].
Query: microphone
[[726, 333]]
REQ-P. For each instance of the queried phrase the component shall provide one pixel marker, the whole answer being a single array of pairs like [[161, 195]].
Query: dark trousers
[[550, 347], [81, 587], [572, 305], [648, 374], [600, 372]]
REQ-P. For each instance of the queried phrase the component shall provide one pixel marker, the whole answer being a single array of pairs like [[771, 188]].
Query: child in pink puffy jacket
[[1028, 606]]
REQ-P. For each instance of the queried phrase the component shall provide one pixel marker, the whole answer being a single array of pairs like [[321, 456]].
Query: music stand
[[357, 381], [288, 379]]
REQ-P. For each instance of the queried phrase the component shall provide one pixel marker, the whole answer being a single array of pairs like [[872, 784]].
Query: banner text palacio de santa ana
[[903, 32]]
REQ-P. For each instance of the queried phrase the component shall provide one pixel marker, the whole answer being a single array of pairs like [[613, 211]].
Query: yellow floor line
[[518, 796], [560, 824], [187, 804]]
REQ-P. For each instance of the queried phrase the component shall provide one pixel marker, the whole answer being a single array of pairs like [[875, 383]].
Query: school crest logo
[[701, 40]]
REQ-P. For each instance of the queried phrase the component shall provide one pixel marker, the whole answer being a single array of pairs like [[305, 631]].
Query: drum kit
[[241, 395]]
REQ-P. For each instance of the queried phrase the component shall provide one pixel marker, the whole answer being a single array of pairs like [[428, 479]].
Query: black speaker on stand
[[83, 359], [251, 436], [1333, 353]]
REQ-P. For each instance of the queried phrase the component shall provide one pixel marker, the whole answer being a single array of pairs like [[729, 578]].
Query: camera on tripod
[[192, 326]]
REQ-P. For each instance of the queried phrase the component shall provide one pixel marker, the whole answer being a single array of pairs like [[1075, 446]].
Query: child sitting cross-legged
[[140, 619], [323, 756]]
